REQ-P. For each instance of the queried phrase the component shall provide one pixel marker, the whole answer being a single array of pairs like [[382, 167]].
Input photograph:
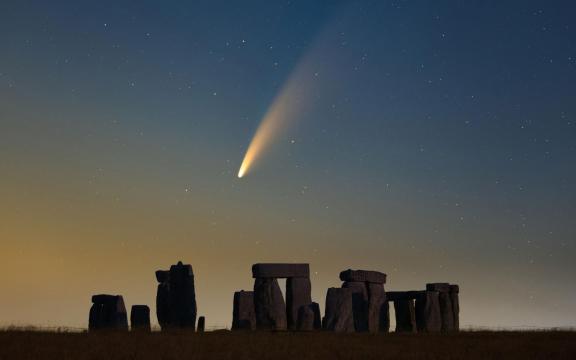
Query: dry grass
[[34, 344]]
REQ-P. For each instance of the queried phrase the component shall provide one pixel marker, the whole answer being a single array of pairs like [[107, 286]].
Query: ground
[[38, 345]]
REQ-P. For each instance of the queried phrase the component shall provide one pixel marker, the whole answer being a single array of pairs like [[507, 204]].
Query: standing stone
[[305, 318], [298, 295], [428, 316], [359, 304], [454, 290], [201, 324], [140, 318], [446, 311], [108, 312], [317, 319], [405, 316], [182, 296], [385, 317], [269, 305], [376, 298], [243, 316], [163, 304], [338, 312], [176, 297]]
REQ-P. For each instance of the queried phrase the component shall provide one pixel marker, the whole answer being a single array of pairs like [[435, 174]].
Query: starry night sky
[[439, 144]]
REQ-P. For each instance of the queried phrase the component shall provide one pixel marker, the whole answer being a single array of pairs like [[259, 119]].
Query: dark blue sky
[[439, 145]]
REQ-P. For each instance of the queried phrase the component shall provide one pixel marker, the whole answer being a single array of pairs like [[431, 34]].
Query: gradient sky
[[438, 144]]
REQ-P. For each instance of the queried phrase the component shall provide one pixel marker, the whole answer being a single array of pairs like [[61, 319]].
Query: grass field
[[30, 344]]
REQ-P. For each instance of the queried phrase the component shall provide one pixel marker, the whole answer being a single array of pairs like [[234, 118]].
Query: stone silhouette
[[376, 300], [269, 306], [176, 297], [405, 315], [444, 299], [243, 315], [339, 315], [305, 318], [359, 304], [368, 299], [436, 309], [298, 297], [454, 290], [201, 324], [317, 317], [140, 318], [363, 276], [428, 318], [107, 313]]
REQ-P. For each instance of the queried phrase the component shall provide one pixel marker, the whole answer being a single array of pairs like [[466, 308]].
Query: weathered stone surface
[[140, 318], [338, 312], [243, 315], [305, 321], [108, 312], [385, 317], [176, 297], [201, 324], [359, 304], [298, 295], [454, 289], [317, 318], [363, 276], [428, 318], [405, 316], [446, 311], [269, 305], [440, 287], [280, 270], [376, 298]]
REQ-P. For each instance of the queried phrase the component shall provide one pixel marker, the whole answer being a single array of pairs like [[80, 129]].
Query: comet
[[282, 113]]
